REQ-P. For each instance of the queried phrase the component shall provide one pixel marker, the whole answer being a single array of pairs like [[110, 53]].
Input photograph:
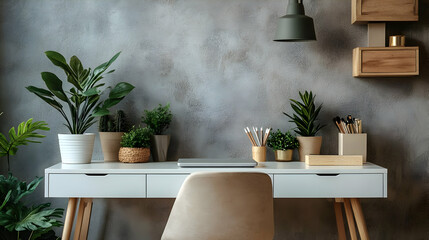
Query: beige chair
[[222, 206]]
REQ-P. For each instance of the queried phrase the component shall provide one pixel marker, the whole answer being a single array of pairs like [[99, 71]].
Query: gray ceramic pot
[[160, 147]]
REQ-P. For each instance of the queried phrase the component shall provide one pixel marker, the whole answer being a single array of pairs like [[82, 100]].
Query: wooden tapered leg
[[360, 220], [68, 222], [350, 219], [83, 219], [340, 221]]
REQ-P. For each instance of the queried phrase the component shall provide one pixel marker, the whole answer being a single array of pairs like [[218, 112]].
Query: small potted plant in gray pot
[[111, 130], [159, 120], [283, 145], [135, 145], [82, 100], [305, 118]]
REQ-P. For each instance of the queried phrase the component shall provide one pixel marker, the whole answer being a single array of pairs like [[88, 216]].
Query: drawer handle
[[96, 174], [328, 174]]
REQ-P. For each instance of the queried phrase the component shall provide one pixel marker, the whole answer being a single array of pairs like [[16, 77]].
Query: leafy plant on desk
[[282, 141], [158, 119], [84, 97], [17, 221], [305, 114], [137, 138]]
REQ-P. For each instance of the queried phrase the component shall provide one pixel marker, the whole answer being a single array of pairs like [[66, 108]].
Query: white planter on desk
[[76, 148]]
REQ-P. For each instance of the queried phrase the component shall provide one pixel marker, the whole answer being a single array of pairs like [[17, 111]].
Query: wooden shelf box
[[385, 61], [364, 11]]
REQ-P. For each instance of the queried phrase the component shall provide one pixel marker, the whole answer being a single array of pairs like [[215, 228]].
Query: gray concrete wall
[[216, 63]]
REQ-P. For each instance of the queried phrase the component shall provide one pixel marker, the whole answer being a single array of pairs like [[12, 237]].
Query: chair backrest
[[223, 206]]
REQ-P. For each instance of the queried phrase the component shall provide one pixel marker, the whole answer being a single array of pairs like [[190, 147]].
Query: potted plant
[[305, 118], [135, 145], [159, 120], [83, 101], [283, 145], [111, 130]]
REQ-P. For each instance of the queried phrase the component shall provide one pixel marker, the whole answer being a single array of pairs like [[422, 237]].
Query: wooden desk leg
[[360, 220], [350, 220], [83, 219], [340, 221], [68, 222]]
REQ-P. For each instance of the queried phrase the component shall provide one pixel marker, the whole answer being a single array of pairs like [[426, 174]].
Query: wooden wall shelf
[[364, 11], [385, 61]]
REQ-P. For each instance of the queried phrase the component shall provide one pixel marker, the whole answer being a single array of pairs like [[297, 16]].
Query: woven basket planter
[[134, 155]]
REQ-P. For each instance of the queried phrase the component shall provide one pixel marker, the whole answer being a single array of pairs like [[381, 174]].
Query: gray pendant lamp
[[295, 26]]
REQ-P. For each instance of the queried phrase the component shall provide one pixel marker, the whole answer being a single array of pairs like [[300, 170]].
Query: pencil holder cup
[[352, 144], [259, 154]]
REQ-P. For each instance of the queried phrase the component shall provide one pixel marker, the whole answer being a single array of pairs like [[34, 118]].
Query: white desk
[[163, 180]]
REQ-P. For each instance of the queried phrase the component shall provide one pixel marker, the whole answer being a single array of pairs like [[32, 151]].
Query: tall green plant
[[305, 116], [84, 97], [27, 131], [158, 119]]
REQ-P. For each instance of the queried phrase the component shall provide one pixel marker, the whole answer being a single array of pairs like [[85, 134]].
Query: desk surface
[[171, 167]]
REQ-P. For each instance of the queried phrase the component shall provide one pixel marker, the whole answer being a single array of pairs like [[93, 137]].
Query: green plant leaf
[[100, 112], [91, 92], [55, 85], [40, 91], [121, 90], [102, 67], [58, 60], [26, 133], [76, 65], [110, 102]]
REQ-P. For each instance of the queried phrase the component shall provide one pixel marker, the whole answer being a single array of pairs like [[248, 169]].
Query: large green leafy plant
[[305, 114], [84, 97], [17, 220], [21, 222], [158, 119], [137, 138], [282, 141]]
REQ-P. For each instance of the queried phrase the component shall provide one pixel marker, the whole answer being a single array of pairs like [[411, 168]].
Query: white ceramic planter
[[76, 148]]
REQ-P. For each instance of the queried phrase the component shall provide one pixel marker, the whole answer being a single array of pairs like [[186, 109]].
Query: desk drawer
[[328, 186], [164, 185], [97, 185], [167, 185]]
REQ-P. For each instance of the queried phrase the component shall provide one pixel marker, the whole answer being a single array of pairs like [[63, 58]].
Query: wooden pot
[[283, 155], [134, 155], [309, 146], [110, 144], [259, 154]]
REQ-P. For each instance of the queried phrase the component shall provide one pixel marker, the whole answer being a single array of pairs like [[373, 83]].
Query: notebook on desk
[[216, 162]]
